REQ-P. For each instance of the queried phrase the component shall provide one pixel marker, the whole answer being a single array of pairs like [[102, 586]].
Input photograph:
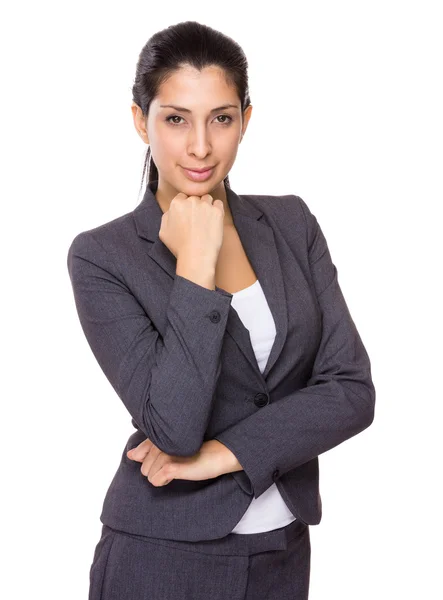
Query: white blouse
[[269, 511]]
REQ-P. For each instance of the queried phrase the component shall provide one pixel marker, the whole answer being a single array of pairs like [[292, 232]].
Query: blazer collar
[[258, 241]]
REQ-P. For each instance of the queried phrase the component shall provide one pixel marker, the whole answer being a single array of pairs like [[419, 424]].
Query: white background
[[347, 114]]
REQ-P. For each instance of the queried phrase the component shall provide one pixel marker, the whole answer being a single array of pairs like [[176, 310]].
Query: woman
[[219, 321]]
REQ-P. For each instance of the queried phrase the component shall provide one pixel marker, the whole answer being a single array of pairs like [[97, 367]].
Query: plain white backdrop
[[347, 114]]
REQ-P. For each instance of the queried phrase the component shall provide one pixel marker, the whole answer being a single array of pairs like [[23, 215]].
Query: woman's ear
[[139, 122], [246, 116]]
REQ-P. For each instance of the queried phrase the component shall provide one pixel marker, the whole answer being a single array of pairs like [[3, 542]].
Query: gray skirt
[[273, 565]]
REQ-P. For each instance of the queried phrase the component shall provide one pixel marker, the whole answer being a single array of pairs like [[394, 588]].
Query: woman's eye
[[178, 117], [173, 117], [225, 122]]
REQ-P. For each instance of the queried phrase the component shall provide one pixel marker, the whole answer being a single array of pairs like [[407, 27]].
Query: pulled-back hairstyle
[[186, 43]]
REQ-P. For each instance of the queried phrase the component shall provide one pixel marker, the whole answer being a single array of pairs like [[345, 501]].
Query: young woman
[[219, 321]]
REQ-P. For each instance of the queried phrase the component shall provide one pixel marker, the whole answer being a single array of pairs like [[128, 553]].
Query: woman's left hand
[[213, 459]]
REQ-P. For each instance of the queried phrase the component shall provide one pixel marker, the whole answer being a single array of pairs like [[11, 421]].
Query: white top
[[269, 511]]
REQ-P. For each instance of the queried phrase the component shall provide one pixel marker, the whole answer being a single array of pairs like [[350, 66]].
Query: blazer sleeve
[[337, 402], [166, 383]]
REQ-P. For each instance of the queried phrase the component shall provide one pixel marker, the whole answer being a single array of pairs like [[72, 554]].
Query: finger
[[132, 456], [219, 203], [153, 455], [160, 470], [162, 477], [139, 452]]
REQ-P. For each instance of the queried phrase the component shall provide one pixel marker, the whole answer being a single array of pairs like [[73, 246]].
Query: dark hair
[[186, 43]]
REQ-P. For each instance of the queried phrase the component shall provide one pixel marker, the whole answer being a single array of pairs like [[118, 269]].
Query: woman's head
[[194, 67]]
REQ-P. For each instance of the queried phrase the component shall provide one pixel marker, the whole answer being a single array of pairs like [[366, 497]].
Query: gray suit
[[181, 360]]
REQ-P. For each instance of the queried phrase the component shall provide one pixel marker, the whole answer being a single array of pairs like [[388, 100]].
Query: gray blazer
[[180, 359]]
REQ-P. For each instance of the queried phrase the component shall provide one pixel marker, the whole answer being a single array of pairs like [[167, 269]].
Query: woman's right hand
[[193, 226]]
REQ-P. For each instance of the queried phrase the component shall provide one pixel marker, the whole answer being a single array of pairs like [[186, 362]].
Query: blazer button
[[215, 316], [276, 473], [261, 399]]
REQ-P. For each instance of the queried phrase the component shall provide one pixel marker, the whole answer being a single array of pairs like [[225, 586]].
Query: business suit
[[181, 360]]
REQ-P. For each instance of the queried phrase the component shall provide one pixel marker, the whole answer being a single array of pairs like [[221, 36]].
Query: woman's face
[[195, 132]]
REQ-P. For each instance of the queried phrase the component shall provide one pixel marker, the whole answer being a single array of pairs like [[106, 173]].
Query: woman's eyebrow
[[182, 109]]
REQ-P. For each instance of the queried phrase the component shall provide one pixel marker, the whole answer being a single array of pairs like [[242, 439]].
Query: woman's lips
[[198, 176]]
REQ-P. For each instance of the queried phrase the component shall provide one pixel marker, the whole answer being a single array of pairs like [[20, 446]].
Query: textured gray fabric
[[181, 360], [272, 565]]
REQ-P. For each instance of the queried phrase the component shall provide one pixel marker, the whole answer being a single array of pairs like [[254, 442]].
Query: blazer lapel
[[258, 241]]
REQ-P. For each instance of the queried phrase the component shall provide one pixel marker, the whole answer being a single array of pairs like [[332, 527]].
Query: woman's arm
[[167, 384], [338, 401]]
